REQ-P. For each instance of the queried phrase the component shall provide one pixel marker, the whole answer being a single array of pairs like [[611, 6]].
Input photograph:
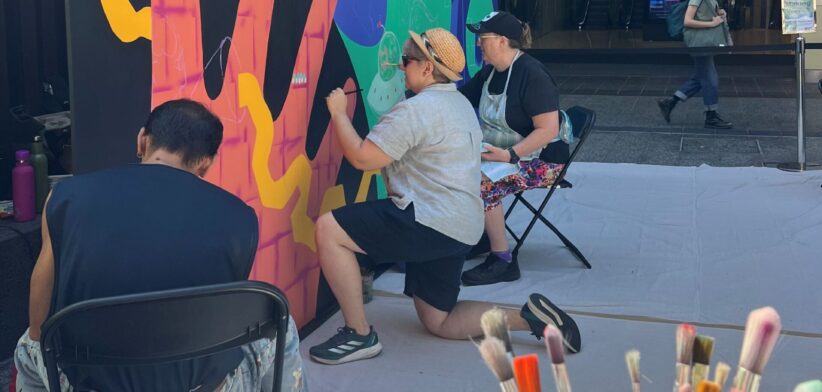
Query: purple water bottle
[[22, 187]]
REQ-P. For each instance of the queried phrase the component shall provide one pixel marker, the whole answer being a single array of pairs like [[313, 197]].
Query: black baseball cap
[[501, 23]]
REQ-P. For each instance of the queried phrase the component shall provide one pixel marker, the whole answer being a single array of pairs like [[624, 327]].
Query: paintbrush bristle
[[685, 334], [723, 370], [761, 332], [553, 341], [632, 360], [809, 386], [707, 386], [493, 353], [703, 348], [494, 323]]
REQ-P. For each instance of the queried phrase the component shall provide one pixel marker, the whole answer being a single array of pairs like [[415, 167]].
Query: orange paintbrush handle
[[526, 371]]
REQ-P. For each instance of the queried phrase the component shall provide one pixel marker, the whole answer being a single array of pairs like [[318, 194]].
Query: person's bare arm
[[546, 128], [690, 22], [42, 283], [363, 154]]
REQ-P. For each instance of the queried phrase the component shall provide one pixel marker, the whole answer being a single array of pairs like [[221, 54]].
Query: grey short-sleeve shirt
[[706, 9], [434, 139]]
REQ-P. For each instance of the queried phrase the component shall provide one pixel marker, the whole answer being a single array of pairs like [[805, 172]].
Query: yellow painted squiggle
[[276, 193], [126, 23]]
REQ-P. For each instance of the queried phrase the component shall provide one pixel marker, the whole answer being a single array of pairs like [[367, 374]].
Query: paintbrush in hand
[[556, 349], [685, 334], [703, 348], [761, 332], [493, 353]]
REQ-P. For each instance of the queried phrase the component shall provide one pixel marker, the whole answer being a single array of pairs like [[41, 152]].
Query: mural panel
[[264, 67]]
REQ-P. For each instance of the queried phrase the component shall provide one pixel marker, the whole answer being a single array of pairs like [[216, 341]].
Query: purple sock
[[504, 256]]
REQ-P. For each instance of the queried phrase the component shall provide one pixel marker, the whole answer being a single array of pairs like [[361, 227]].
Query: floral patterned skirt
[[534, 173]]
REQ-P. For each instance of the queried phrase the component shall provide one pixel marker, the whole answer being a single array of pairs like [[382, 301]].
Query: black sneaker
[[492, 270], [539, 311], [712, 120], [346, 346], [666, 106]]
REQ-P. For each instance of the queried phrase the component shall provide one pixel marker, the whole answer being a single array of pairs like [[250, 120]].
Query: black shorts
[[388, 235]]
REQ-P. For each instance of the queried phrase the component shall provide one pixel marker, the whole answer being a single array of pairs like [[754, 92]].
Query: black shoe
[[712, 120], [493, 270], [666, 106], [482, 247], [539, 311], [346, 346]]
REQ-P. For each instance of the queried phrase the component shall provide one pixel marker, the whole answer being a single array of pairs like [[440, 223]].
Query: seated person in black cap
[[518, 104]]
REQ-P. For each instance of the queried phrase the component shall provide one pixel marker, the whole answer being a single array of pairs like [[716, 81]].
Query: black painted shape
[[217, 19], [287, 26], [111, 94], [336, 69]]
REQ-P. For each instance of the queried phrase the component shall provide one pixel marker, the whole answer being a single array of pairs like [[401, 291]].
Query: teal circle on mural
[[388, 56]]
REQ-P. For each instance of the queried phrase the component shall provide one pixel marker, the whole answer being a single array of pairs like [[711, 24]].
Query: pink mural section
[[262, 159]]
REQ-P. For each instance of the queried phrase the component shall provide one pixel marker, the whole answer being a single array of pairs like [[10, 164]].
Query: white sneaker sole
[[365, 353]]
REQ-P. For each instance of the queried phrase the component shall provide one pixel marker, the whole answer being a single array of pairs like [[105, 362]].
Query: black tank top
[[142, 228]]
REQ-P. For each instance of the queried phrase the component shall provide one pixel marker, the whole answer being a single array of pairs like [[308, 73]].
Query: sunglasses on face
[[407, 59]]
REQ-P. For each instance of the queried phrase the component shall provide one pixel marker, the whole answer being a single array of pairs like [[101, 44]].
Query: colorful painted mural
[[264, 67]]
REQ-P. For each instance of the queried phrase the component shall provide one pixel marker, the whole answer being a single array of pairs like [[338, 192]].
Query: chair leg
[[538, 215], [570, 245]]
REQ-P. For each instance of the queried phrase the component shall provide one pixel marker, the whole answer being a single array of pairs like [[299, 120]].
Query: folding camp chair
[[164, 326], [582, 120]]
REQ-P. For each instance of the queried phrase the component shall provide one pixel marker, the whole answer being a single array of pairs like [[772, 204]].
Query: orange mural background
[[285, 188]]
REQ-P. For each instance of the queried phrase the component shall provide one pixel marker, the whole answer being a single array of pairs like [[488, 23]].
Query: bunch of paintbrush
[[556, 349], [685, 334], [493, 353], [703, 349], [761, 332]]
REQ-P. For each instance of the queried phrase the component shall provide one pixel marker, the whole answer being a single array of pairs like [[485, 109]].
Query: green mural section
[[377, 66]]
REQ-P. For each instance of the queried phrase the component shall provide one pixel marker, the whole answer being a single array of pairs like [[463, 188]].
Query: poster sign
[[798, 16]]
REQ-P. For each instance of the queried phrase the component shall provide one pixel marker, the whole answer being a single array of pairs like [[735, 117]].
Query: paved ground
[[630, 128]]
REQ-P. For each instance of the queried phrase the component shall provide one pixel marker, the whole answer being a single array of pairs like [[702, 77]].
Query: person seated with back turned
[[428, 147], [148, 227], [518, 103]]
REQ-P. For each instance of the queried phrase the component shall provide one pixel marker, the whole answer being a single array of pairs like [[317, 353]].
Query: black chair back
[[165, 326], [582, 120]]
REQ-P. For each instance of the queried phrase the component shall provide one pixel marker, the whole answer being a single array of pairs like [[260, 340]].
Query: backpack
[[676, 19]]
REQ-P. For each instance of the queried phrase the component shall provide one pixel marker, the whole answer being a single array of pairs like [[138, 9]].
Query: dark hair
[[525, 41], [185, 127]]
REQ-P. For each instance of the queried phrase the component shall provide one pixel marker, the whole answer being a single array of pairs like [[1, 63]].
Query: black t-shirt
[[531, 91], [142, 228]]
